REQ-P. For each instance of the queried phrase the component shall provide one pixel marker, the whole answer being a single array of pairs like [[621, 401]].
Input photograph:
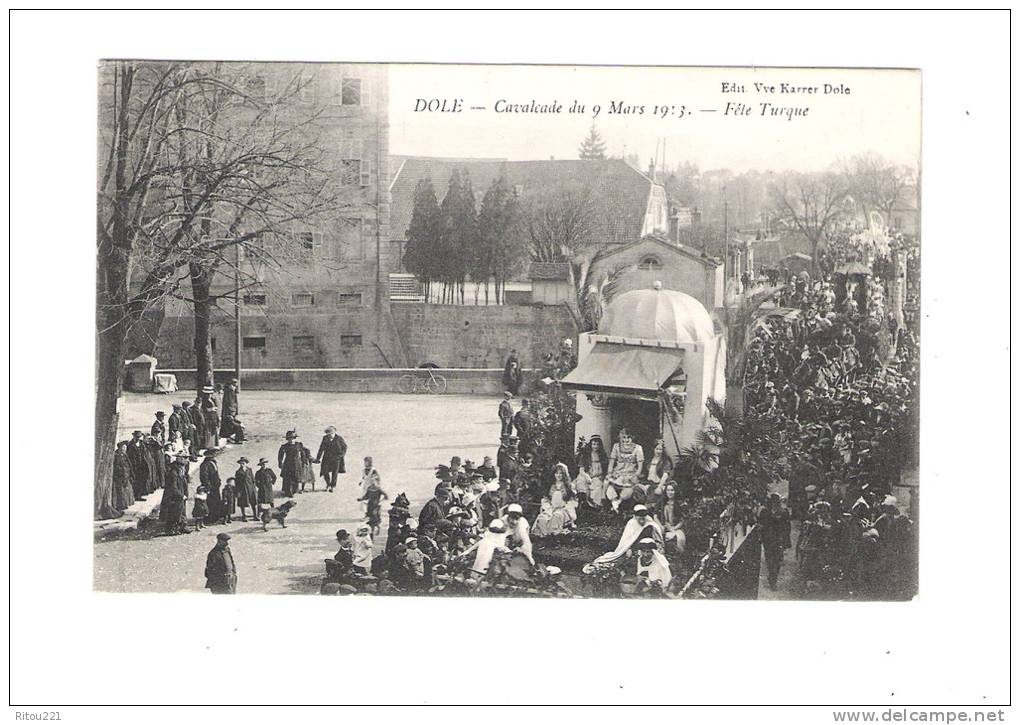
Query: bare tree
[[198, 164], [877, 184], [809, 203], [564, 228]]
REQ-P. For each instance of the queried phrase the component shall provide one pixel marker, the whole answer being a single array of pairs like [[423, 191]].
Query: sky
[[881, 113]]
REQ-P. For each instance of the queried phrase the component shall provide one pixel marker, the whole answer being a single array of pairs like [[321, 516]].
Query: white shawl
[[631, 532]]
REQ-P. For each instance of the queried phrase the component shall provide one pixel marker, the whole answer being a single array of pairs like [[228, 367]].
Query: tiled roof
[[620, 193], [552, 271]]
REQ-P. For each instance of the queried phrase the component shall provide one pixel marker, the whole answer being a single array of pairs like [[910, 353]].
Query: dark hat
[[291, 434], [210, 452], [176, 406], [442, 486], [160, 413], [242, 459], [263, 461], [402, 500], [223, 537], [342, 534], [137, 434], [186, 403]]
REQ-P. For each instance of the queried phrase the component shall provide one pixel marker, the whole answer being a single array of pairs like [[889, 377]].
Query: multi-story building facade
[[322, 305]]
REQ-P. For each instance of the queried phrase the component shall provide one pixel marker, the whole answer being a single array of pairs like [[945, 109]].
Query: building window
[[254, 343], [255, 299], [302, 299], [651, 263], [352, 170], [311, 242], [212, 343], [348, 299], [350, 93], [306, 89], [303, 343], [350, 341]]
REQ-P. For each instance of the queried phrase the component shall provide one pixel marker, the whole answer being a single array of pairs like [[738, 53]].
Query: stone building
[[326, 308]]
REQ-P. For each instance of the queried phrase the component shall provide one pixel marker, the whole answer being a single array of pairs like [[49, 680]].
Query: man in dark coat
[[141, 468], [506, 415], [508, 458], [175, 423], [220, 572], [512, 373], [209, 474], [522, 424], [435, 510], [244, 482], [774, 525], [265, 480], [158, 430], [331, 457], [289, 463], [175, 493], [229, 410]]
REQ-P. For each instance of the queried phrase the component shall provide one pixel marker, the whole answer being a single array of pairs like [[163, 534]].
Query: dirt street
[[407, 435]]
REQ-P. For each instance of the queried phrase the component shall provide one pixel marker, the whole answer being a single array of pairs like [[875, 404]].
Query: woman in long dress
[[625, 463], [595, 464], [559, 508]]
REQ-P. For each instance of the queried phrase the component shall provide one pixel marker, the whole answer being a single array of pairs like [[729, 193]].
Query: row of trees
[[204, 171], [448, 243]]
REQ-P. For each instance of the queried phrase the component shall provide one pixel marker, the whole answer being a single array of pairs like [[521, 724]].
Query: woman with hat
[[289, 463], [210, 416], [244, 483], [493, 540], [175, 493], [519, 532]]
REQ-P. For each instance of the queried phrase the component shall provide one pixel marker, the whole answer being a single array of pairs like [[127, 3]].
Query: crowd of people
[[839, 381]]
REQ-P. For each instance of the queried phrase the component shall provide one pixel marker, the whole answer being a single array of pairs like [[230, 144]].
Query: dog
[[279, 513]]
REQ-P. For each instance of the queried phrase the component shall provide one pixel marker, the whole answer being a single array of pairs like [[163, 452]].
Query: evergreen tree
[[422, 254], [459, 230], [593, 147], [501, 246]]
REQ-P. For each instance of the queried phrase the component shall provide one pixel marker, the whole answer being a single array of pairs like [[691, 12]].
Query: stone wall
[[350, 380], [480, 337]]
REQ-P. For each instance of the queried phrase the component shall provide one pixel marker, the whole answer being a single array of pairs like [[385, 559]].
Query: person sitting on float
[[651, 564], [625, 463], [493, 540], [519, 532], [640, 526], [559, 507], [593, 464]]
